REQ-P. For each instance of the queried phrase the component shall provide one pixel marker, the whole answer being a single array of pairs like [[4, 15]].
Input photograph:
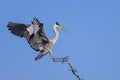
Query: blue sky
[[93, 40]]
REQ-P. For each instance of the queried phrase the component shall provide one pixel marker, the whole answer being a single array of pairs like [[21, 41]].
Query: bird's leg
[[65, 59], [40, 55]]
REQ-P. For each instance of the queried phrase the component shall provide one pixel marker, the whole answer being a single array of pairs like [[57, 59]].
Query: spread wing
[[34, 33], [17, 29], [38, 40], [39, 29]]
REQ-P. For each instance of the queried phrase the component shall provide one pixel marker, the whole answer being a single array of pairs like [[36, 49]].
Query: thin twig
[[74, 71]]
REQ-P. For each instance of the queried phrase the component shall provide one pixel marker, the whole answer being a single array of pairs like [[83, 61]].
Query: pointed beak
[[61, 28]]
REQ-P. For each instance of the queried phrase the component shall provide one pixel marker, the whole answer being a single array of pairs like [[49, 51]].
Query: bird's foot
[[65, 59]]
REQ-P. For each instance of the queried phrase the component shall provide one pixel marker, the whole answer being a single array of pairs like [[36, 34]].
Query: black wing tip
[[41, 24], [14, 24], [36, 20], [9, 24], [17, 29]]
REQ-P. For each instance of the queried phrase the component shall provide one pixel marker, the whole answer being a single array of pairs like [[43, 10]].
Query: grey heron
[[36, 37]]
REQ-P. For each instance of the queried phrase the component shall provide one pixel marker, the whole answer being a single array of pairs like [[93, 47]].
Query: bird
[[36, 37]]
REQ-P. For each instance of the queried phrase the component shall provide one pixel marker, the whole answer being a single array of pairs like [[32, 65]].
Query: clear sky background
[[93, 40]]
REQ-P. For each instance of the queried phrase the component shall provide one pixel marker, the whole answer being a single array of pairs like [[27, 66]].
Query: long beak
[[61, 28]]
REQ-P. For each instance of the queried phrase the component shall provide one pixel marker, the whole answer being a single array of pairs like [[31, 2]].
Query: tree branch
[[74, 71]]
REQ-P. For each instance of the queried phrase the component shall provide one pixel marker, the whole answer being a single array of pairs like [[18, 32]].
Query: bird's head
[[59, 26]]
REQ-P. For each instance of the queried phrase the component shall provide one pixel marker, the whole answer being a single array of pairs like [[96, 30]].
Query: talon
[[65, 59]]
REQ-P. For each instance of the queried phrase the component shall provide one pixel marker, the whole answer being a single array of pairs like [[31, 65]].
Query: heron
[[35, 35]]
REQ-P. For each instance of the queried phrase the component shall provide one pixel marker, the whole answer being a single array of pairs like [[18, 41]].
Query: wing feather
[[40, 29], [17, 29], [34, 33], [39, 39]]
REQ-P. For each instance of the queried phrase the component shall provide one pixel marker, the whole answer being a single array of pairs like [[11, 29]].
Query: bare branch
[[74, 71]]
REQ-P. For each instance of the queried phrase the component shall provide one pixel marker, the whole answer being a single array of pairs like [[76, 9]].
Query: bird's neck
[[56, 35]]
